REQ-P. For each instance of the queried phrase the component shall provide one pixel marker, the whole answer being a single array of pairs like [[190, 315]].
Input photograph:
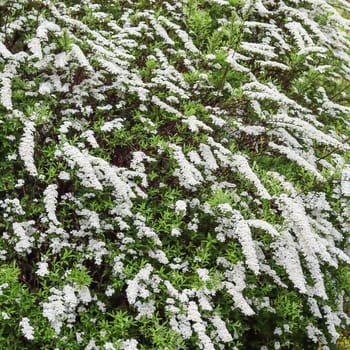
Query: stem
[[332, 151], [339, 92], [223, 79]]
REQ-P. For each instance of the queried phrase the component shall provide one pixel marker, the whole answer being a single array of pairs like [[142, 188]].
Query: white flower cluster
[[138, 72], [62, 305], [235, 227], [24, 233], [50, 201], [78, 54], [11, 206], [44, 27], [294, 156], [26, 328], [6, 91], [86, 172], [194, 124], [345, 181], [34, 46], [243, 168], [129, 344], [221, 329], [286, 255], [42, 269], [138, 294], [26, 148], [306, 129], [144, 231], [189, 176], [199, 326], [113, 124], [88, 220], [4, 52], [97, 249]]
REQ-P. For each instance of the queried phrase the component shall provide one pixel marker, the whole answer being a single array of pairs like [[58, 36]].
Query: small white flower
[[63, 175], [12, 156], [129, 344], [175, 232], [109, 346], [84, 294], [26, 328], [45, 88], [180, 207], [42, 269], [109, 291], [79, 337], [203, 274], [20, 183], [5, 316], [210, 57]]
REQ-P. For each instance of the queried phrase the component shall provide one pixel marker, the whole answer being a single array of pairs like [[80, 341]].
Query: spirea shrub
[[174, 174]]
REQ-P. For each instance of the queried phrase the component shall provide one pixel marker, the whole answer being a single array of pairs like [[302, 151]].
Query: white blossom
[[6, 92], [188, 175], [237, 103], [135, 289], [175, 232], [63, 175], [286, 255], [129, 344], [50, 201], [294, 156], [3, 286], [221, 329], [203, 274], [194, 124], [345, 181], [78, 54], [261, 49], [86, 172], [97, 249], [313, 332], [35, 47], [84, 295], [26, 148], [5, 316], [241, 164], [4, 52], [113, 124], [44, 27], [180, 207], [294, 212], [42, 269], [158, 255], [26, 328], [239, 300], [109, 291], [264, 226], [25, 240]]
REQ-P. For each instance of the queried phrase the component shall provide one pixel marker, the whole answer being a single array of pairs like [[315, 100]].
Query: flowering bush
[[174, 174]]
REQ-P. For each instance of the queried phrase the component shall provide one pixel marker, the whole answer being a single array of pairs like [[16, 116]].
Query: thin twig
[[339, 92], [332, 151]]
